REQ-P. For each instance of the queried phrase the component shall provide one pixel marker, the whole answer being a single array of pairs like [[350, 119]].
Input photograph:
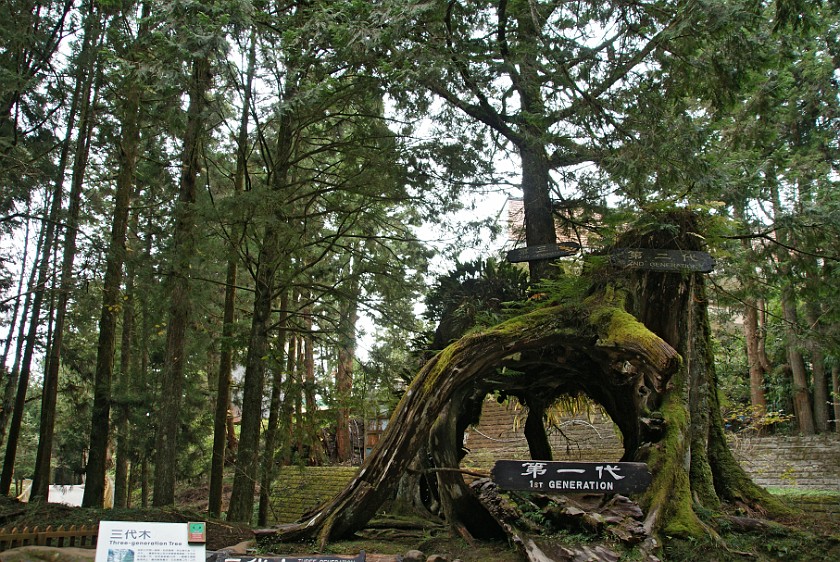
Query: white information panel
[[138, 541]]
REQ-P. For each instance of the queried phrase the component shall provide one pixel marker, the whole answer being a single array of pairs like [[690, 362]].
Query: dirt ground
[[13, 513], [810, 534]]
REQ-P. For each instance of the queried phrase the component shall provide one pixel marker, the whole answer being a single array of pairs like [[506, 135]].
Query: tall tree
[[127, 48], [553, 81], [50, 220], [88, 72], [179, 292], [223, 404]]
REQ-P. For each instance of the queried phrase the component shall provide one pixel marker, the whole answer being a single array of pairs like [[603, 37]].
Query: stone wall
[[793, 462], [583, 437], [298, 489], [804, 463]]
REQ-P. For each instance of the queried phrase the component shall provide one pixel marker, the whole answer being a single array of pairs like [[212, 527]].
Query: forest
[[231, 229]]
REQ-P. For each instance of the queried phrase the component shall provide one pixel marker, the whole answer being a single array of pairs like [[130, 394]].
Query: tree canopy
[[216, 210]]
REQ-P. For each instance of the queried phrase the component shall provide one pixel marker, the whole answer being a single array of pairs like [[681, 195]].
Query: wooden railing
[[78, 536]]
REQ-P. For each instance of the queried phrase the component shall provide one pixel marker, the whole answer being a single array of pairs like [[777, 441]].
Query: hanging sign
[[546, 252], [571, 477], [138, 541], [662, 260]]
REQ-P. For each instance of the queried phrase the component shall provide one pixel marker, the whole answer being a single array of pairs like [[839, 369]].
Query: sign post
[[571, 477], [546, 252], [662, 260]]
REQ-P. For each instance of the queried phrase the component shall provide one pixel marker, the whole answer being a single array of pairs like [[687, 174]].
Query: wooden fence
[[78, 536]]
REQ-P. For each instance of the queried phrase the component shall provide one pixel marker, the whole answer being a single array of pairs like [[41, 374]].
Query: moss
[[670, 491], [441, 366]]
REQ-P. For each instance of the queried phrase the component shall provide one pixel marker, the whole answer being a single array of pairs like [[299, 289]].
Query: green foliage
[[473, 293]]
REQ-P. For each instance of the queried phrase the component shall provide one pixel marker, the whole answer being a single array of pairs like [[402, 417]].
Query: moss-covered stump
[[587, 345], [637, 342]]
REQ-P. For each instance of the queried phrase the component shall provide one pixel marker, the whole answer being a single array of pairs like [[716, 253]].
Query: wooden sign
[[662, 260], [546, 252], [571, 477]]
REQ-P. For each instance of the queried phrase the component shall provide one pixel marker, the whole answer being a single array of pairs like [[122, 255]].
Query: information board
[[571, 477], [138, 541]]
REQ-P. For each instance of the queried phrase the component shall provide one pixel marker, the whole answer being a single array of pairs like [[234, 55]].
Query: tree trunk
[[818, 372], [835, 395], [112, 303], [674, 306], [49, 222], [585, 345], [344, 372], [247, 459], [166, 455], [310, 424], [559, 349], [265, 278], [536, 201], [799, 374], [752, 337], [223, 405], [88, 77], [122, 483], [13, 375], [271, 430], [538, 445]]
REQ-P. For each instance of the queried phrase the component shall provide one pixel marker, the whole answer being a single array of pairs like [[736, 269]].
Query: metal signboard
[[546, 252], [571, 477], [662, 260]]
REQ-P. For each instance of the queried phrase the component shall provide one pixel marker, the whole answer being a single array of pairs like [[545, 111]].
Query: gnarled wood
[[555, 350]]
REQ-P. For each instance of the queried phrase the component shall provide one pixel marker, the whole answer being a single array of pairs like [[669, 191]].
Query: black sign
[[222, 557], [572, 477], [662, 260], [546, 252]]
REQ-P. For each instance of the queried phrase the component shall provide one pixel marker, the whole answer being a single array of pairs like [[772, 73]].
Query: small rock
[[436, 558], [414, 556]]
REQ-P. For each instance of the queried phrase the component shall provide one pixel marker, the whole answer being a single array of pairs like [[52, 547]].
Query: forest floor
[[813, 533]]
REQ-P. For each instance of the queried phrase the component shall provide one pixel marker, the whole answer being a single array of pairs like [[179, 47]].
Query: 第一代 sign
[[662, 260], [571, 477], [139, 541]]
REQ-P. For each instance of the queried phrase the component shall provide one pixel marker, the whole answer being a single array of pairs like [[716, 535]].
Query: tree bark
[[122, 480], [674, 306], [344, 369], [756, 368], [271, 430], [818, 371], [835, 395], [799, 375], [247, 459]]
